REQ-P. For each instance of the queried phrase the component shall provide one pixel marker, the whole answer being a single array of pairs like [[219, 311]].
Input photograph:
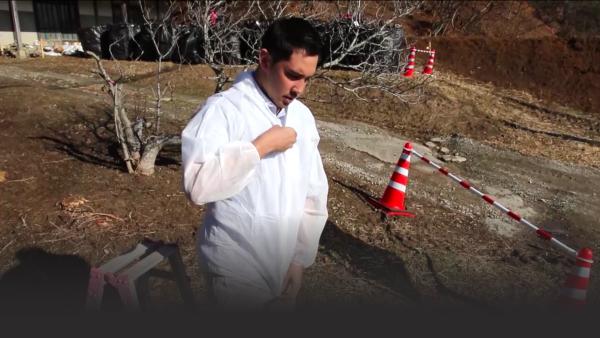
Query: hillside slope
[[512, 47]]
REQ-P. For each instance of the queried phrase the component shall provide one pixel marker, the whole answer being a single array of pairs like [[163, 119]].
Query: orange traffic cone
[[410, 66], [428, 70], [575, 290], [392, 201]]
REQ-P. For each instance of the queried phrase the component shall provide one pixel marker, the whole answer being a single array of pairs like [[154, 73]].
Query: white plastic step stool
[[129, 274]]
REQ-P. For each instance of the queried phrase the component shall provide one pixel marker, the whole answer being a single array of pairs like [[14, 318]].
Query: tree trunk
[[151, 150], [119, 127], [132, 141], [221, 77]]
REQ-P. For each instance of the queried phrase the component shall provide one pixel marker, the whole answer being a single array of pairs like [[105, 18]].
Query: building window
[[56, 19]]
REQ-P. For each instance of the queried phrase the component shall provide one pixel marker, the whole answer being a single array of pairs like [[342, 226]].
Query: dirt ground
[[66, 195], [510, 46], [553, 69]]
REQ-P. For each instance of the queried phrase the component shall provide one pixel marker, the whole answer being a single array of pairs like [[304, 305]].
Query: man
[[251, 153]]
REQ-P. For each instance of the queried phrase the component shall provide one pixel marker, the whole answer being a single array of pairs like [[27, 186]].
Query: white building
[[59, 20]]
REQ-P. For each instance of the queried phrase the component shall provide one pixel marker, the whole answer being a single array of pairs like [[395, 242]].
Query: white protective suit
[[262, 213]]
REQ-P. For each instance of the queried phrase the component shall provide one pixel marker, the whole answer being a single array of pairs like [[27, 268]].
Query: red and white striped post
[[410, 66], [575, 290], [428, 70]]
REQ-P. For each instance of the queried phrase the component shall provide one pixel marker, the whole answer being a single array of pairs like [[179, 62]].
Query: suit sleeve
[[215, 165]]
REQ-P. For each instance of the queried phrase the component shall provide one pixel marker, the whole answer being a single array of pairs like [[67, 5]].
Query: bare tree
[[367, 39], [163, 40], [252, 30], [271, 10], [220, 22], [364, 41], [127, 139], [139, 151], [363, 38]]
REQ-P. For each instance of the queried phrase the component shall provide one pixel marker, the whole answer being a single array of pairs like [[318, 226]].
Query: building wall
[[86, 13], [27, 19], [6, 35], [105, 14]]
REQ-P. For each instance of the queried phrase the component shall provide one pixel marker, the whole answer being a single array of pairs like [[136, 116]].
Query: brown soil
[[511, 46], [550, 68]]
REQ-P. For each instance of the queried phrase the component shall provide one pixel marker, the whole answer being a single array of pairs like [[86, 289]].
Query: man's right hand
[[275, 139]]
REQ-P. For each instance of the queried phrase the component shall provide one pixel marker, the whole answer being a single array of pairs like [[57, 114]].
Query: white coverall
[[262, 214]]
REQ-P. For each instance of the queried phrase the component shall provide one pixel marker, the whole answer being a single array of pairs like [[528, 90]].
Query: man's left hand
[[292, 282]]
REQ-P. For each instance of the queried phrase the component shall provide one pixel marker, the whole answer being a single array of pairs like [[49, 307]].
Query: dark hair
[[285, 35]]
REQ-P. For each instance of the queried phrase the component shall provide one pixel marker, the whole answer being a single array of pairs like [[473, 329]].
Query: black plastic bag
[[394, 44], [380, 49], [117, 42], [91, 38], [226, 49], [336, 38], [145, 49], [189, 46]]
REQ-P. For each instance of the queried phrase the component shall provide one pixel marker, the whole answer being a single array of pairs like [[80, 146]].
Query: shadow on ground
[[43, 282], [369, 261], [384, 266], [97, 145]]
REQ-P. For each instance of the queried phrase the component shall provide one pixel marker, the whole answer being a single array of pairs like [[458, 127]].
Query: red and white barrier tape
[[544, 234], [423, 51], [428, 51]]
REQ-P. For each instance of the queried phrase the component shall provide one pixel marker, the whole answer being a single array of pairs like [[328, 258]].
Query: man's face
[[287, 79]]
